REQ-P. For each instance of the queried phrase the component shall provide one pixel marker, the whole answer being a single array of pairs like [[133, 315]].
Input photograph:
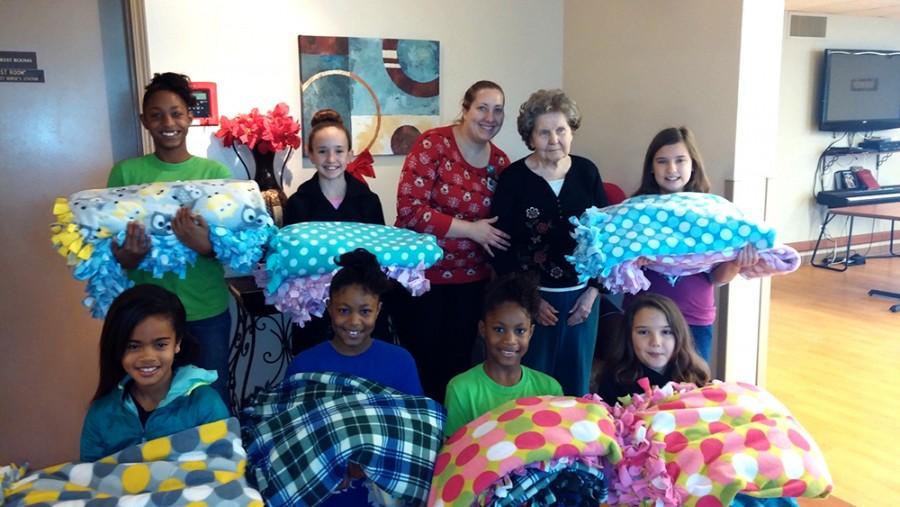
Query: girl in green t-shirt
[[166, 115], [510, 304]]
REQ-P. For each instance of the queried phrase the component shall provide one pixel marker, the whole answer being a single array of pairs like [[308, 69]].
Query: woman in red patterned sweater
[[445, 189]]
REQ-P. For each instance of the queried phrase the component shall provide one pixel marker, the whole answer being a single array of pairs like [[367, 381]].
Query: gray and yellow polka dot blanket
[[198, 466]]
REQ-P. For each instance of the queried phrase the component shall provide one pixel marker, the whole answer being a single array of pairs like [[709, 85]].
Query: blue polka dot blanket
[[89, 221], [676, 234], [203, 465], [301, 261]]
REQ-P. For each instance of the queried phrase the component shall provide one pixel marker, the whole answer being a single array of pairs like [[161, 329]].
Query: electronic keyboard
[[841, 198]]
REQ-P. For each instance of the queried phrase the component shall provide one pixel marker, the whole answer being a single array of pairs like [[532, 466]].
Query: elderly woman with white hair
[[534, 199]]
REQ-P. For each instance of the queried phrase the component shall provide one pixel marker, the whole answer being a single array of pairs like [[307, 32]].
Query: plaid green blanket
[[301, 435]]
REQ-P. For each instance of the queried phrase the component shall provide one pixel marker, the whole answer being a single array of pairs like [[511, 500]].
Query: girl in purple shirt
[[673, 164]]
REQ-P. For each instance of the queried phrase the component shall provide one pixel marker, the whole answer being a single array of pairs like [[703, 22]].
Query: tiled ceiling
[[873, 8]]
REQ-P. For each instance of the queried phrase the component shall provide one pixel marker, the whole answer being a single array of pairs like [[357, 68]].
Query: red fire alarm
[[206, 109]]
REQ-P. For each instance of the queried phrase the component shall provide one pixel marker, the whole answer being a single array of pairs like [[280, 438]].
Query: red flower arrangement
[[272, 132], [265, 135]]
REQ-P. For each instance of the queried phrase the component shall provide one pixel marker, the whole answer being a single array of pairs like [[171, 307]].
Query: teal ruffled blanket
[[300, 262], [89, 221], [679, 234]]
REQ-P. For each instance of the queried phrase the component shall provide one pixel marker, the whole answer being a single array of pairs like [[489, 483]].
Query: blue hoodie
[[112, 422]]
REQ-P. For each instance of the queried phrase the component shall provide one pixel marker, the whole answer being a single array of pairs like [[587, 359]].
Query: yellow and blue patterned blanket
[[198, 466], [88, 221]]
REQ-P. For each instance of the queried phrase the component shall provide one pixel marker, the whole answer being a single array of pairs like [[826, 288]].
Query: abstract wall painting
[[387, 90]]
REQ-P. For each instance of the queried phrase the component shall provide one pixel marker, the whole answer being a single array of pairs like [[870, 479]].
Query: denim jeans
[[213, 336], [703, 336], [565, 352]]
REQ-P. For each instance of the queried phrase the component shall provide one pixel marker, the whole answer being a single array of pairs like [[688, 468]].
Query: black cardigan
[[309, 204], [538, 220], [610, 390]]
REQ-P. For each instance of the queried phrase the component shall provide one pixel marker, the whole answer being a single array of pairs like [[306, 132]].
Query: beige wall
[[744, 304], [799, 140], [636, 67], [639, 66], [57, 139], [64, 135], [517, 43], [633, 66]]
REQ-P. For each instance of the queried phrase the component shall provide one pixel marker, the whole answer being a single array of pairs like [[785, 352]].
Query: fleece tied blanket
[[302, 435], [684, 445], [301, 262], [570, 484], [478, 463], [88, 222], [680, 234], [197, 467]]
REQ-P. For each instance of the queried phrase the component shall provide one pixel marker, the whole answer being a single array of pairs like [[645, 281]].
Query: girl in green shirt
[[511, 302], [167, 117]]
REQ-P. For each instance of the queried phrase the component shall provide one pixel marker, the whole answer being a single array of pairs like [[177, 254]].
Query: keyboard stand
[[829, 216], [883, 211], [887, 294]]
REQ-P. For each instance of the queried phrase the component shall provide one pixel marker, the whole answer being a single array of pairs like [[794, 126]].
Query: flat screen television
[[860, 90]]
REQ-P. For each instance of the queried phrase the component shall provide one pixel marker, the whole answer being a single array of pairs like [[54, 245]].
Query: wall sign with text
[[20, 67]]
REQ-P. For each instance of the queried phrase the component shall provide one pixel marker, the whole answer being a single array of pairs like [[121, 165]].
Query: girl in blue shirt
[[354, 302], [146, 389]]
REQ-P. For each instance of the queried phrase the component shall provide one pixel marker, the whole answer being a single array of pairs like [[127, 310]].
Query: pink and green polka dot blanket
[[684, 445], [529, 431], [671, 446]]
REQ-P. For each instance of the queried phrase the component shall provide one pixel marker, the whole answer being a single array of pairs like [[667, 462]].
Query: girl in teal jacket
[[146, 390]]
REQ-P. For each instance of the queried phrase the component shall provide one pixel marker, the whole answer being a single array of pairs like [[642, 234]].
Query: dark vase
[[269, 187]]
